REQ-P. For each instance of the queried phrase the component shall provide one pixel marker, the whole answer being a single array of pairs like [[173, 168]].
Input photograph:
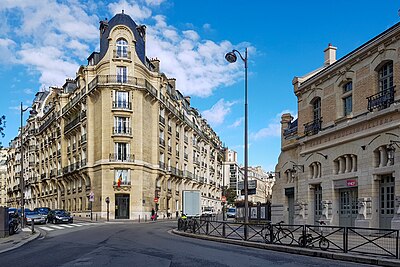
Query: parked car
[[36, 217], [43, 211], [59, 216], [231, 213]]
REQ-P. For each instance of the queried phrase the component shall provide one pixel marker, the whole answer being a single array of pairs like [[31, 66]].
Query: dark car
[[59, 216], [43, 211]]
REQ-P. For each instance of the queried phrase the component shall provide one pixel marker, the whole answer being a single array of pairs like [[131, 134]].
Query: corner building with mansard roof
[[339, 159], [120, 130]]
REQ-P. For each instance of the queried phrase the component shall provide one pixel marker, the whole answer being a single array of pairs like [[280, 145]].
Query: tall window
[[317, 109], [121, 125], [121, 100], [122, 175], [347, 98], [121, 151], [122, 48], [122, 74], [386, 76]]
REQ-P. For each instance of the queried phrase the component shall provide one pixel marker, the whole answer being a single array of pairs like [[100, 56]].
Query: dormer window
[[122, 48]]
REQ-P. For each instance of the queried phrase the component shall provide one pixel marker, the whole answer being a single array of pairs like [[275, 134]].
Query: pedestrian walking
[[153, 214]]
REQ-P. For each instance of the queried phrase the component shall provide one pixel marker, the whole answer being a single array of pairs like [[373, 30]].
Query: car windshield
[[61, 213], [43, 210], [207, 209], [231, 210], [31, 213]]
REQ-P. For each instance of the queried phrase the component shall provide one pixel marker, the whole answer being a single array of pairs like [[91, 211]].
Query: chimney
[[187, 98], [156, 64], [329, 55]]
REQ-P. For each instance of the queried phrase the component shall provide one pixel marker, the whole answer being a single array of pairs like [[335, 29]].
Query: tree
[[230, 196], [2, 127]]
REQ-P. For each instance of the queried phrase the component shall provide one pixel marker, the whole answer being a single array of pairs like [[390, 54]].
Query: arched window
[[386, 76], [122, 48]]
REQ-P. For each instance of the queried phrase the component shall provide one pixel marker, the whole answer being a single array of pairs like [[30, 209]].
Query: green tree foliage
[[2, 127], [230, 196]]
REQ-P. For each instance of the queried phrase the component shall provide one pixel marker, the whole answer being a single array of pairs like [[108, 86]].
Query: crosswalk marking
[[74, 224], [56, 227], [46, 228], [52, 227]]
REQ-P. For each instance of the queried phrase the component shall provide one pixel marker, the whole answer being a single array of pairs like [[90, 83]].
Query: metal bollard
[[33, 226], [139, 218], [96, 217], [145, 218]]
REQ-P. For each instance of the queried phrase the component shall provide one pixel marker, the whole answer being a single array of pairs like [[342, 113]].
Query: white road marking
[[56, 227], [46, 228], [74, 224], [67, 225]]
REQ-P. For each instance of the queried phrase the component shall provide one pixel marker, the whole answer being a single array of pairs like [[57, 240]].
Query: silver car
[[36, 216]]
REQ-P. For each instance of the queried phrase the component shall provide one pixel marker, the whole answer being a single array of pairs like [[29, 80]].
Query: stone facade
[[339, 160], [3, 177], [119, 131]]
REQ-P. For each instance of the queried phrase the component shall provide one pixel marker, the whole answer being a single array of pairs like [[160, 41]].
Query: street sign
[[223, 198], [155, 200], [91, 196], [252, 184], [107, 200]]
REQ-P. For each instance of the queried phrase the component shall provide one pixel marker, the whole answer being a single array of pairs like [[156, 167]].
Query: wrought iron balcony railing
[[121, 157], [313, 127], [381, 100]]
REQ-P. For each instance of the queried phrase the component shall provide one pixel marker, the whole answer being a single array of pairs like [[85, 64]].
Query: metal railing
[[381, 100], [313, 127], [354, 240]]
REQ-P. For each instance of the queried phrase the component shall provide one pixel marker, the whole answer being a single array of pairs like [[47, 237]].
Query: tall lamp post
[[22, 180], [231, 58]]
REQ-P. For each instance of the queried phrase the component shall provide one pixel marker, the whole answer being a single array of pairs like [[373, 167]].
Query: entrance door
[[291, 209], [121, 206], [386, 201], [348, 207]]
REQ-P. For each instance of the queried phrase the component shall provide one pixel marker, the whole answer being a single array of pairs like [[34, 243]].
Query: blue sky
[[44, 42]]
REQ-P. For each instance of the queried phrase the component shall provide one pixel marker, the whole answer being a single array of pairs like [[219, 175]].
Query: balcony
[[122, 184], [313, 127], [381, 100], [100, 80], [125, 105], [125, 131], [72, 124], [121, 157], [122, 54]]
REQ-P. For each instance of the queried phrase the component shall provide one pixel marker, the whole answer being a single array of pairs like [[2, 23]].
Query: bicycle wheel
[[301, 241], [324, 243], [285, 237], [267, 235]]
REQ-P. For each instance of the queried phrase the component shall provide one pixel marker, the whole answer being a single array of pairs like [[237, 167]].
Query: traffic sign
[[91, 196], [155, 200], [223, 198], [252, 184]]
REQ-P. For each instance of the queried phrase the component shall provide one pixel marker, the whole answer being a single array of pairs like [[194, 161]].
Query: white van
[[208, 211]]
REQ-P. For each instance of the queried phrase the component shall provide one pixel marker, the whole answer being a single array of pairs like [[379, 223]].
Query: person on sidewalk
[[153, 214]]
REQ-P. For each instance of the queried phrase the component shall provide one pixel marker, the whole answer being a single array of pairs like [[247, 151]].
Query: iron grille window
[[317, 109], [318, 201]]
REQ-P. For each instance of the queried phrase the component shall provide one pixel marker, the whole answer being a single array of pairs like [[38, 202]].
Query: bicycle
[[309, 241], [282, 235]]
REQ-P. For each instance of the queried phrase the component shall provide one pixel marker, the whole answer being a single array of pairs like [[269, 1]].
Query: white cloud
[[216, 115], [52, 38], [236, 123], [132, 8], [273, 129], [28, 91]]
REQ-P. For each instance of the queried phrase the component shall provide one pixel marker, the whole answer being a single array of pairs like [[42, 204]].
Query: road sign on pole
[[155, 200], [223, 198]]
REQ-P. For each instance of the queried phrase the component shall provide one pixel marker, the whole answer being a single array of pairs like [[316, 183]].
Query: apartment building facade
[[3, 177], [119, 131], [339, 159], [232, 172]]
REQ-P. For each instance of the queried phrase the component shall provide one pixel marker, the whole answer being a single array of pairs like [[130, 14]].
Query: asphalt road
[[145, 244]]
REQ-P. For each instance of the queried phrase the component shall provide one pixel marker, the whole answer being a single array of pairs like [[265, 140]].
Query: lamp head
[[230, 57]]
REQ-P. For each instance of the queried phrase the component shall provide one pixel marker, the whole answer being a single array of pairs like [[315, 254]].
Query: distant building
[[340, 159], [232, 173], [3, 177], [264, 182]]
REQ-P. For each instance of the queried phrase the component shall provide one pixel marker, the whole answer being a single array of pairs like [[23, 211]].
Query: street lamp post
[[22, 180], [231, 58]]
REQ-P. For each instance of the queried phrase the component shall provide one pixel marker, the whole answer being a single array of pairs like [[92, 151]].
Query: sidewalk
[[17, 240], [298, 250]]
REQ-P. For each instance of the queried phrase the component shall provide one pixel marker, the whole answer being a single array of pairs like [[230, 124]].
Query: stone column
[[348, 163], [341, 165], [353, 163]]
